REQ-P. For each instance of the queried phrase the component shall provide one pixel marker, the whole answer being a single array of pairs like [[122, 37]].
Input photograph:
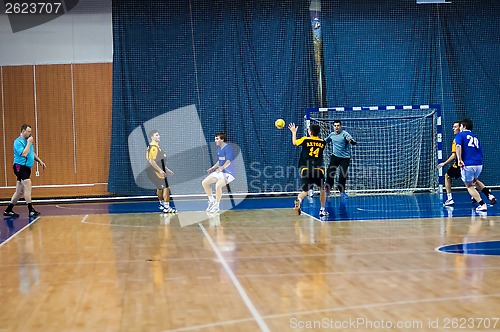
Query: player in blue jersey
[[24, 158], [470, 160], [221, 173], [454, 173], [341, 156]]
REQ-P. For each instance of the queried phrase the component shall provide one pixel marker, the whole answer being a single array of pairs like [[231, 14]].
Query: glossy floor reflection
[[124, 267]]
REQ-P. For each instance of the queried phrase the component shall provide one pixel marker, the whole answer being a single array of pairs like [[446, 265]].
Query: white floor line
[[19, 231], [337, 309], [379, 305], [239, 288]]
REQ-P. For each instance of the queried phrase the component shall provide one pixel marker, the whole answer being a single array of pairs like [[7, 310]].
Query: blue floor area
[[489, 248], [422, 205]]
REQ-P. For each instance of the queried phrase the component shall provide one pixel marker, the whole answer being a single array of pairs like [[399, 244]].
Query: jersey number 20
[[473, 141]]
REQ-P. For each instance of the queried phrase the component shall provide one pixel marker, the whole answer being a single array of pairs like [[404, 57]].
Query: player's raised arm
[[293, 128]]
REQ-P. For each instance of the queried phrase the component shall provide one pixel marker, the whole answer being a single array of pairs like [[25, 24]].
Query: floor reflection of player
[[312, 274], [470, 265], [29, 273], [225, 243]]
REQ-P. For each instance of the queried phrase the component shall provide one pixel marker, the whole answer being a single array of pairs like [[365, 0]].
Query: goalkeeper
[[341, 156]]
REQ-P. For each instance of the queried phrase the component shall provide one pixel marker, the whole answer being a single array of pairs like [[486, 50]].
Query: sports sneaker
[[481, 208], [449, 202], [297, 207], [323, 213], [210, 205], [34, 213], [215, 208], [492, 199], [169, 209], [344, 195], [10, 214]]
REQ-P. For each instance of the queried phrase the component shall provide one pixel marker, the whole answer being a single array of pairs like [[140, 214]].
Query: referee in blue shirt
[[24, 158]]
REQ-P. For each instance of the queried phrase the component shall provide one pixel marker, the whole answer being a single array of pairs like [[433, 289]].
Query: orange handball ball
[[280, 123]]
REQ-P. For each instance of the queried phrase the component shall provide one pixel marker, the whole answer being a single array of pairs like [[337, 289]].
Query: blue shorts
[[469, 173]]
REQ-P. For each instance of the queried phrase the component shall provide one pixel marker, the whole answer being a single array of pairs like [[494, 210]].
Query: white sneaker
[[210, 205], [323, 213], [169, 209], [481, 208], [492, 199], [215, 208], [449, 202]]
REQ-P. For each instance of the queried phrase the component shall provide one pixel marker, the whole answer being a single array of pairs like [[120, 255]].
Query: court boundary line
[[246, 299], [18, 232], [345, 308]]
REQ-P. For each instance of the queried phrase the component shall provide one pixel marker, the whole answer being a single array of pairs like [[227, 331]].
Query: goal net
[[397, 148]]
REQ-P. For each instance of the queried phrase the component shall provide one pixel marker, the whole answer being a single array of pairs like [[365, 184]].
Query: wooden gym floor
[[261, 269]]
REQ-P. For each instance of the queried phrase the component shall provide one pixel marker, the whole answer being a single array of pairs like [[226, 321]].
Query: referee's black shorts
[[22, 172]]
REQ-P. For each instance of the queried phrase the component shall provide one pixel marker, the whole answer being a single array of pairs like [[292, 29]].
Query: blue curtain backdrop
[[398, 52], [242, 63]]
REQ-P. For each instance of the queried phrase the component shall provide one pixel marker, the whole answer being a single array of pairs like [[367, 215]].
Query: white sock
[[166, 204], [211, 199], [449, 196]]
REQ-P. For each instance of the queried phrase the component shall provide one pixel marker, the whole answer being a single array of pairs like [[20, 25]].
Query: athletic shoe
[[323, 213], [34, 213], [210, 205], [449, 202], [492, 199], [215, 208], [161, 207], [10, 214], [297, 207], [344, 195], [481, 208], [168, 209]]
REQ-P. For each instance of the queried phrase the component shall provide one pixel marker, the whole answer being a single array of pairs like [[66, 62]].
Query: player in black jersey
[[157, 172], [311, 166]]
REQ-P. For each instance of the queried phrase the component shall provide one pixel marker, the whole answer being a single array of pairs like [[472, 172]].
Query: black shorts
[[454, 172], [311, 177], [22, 172], [159, 182]]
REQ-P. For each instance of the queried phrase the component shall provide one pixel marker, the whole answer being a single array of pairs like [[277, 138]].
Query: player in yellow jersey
[[157, 171], [311, 166]]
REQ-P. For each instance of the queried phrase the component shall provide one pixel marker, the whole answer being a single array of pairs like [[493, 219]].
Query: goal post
[[398, 147]]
